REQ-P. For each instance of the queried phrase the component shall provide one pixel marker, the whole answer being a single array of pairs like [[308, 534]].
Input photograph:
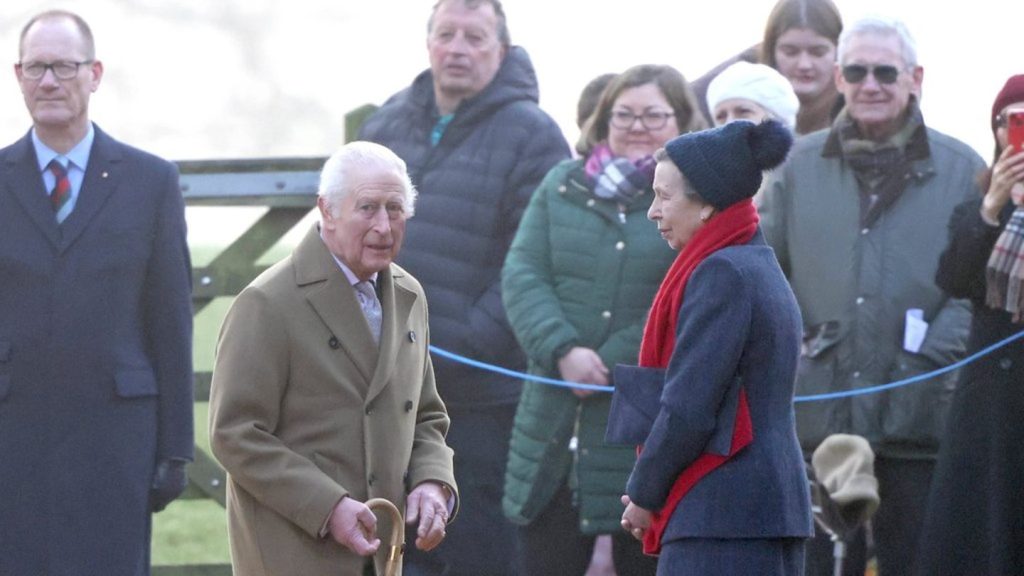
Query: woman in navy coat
[[719, 486]]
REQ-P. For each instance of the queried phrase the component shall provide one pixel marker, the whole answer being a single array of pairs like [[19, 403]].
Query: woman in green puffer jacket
[[577, 284]]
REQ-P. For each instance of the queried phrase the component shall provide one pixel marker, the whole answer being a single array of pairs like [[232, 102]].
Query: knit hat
[[724, 164], [845, 467], [1012, 92], [760, 84]]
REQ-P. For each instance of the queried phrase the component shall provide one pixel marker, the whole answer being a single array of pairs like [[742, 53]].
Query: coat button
[[408, 405], [333, 343], [369, 410], [371, 479], [606, 314], [590, 203], [412, 336], [1005, 363], [620, 245], [561, 189]]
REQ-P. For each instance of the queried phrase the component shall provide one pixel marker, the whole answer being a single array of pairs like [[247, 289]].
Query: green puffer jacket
[[580, 272]]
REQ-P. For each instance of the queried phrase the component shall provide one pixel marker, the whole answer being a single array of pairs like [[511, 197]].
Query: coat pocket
[[135, 383], [915, 415]]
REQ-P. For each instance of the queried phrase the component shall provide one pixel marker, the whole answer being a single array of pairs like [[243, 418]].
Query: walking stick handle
[[396, 541]]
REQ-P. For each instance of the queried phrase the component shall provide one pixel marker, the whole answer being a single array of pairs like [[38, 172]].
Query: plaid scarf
[[616, 178], [882, 168], [1004, 275]]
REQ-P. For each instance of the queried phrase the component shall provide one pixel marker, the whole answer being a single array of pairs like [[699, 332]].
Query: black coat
[[473, 188], [95, 360], [975, 522]]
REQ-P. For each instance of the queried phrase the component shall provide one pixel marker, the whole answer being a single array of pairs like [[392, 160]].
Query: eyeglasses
[[856, 73], [650, 120], [62, 69]]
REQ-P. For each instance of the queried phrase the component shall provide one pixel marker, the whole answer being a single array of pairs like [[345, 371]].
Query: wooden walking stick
[[395, 544]]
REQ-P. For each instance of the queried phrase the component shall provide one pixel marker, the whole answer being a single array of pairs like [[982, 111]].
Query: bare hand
[[583, 366], [1007, 175], [428, 505], [635, 520], [354, 526]]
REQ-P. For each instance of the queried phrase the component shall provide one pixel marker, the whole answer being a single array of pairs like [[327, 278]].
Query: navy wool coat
[[95, 360], [739, 325]]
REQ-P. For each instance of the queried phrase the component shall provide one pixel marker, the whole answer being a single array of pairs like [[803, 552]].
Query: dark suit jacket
[[95, 360], [739, 325]]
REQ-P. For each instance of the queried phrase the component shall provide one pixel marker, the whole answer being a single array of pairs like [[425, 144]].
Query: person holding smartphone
[[975, 519]]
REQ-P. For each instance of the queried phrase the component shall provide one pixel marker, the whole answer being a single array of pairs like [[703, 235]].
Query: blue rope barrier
[[810, 398]]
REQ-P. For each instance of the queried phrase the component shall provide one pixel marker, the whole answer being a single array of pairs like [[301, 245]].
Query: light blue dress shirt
[[75, 161]]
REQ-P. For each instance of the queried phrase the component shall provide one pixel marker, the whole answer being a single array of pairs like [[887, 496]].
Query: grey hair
[[336, 172], [882, 26], [503, 35], [661, 155]]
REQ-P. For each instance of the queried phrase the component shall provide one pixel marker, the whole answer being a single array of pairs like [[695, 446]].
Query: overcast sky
[[255, 78]]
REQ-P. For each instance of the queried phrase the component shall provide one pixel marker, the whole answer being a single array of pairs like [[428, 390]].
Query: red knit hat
[[1012, 92]]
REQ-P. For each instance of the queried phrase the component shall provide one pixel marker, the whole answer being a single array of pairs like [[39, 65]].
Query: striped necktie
[[61, 192]]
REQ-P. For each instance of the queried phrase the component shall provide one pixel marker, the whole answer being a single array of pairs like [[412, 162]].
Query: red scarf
[[733, 226]]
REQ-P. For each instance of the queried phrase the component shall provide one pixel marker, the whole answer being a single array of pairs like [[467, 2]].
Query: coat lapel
[[25, 184], [101, 178], [396, 303], [334, 301]]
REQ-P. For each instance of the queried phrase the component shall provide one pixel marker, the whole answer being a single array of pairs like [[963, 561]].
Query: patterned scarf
[[883, 169], [1005, 272], [733, 226], [616, 178]]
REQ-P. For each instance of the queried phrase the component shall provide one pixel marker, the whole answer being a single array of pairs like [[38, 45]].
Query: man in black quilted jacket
[[476, 145]]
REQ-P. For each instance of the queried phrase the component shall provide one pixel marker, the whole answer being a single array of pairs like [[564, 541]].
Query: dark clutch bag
[[636, 402]]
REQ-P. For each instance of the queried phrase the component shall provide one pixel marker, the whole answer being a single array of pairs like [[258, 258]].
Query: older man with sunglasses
[[857, 219]]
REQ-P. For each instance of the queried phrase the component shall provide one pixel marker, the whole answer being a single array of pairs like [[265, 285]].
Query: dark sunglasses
[[856, 73]]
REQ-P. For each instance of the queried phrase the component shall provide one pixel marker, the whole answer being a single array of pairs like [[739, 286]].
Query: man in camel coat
[[323, 392]]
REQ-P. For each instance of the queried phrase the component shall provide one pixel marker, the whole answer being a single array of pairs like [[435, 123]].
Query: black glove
[[169, 482]]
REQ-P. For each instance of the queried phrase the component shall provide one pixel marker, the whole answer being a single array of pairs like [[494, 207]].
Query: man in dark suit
[[95, 326]]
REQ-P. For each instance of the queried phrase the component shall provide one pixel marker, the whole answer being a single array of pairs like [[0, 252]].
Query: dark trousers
[[480, 541], [903, 489], [553, 544]]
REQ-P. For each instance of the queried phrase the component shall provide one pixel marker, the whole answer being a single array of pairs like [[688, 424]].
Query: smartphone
[[1015, 129]]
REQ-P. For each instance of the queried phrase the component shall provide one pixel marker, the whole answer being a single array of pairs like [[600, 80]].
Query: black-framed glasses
[[62, 69], [649, 119], [856, 73]]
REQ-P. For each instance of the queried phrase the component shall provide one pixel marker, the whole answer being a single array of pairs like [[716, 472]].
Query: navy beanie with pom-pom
[[724, 164]]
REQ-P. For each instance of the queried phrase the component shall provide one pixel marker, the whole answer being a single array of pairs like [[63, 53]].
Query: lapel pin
[[412, 336]]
